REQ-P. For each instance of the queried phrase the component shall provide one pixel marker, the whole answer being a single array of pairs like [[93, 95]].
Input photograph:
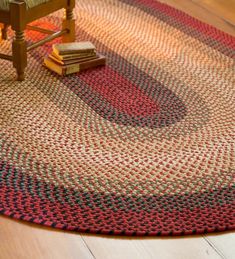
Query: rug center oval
[[117, 99]]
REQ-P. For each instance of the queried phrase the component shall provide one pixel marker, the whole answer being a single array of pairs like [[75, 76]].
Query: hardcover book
[[73, 68], [72, 60], [73, 56], [73, 47]]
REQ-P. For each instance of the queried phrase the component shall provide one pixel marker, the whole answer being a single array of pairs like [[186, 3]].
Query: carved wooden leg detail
[[19, 51], [4, 31], [1, 28], [69, 23], [19, 48]]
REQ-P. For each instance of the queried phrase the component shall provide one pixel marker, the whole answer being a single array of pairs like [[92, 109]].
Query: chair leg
[[4, 31], [19, 53], [19, 48], [69, 23]]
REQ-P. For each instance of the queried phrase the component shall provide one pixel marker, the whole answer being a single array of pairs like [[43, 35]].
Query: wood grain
[[220, 14], [224, 244], [194, 247], [22, 240], [221, 8]]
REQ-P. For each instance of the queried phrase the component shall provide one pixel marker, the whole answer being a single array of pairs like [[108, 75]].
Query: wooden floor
[[20, 240]]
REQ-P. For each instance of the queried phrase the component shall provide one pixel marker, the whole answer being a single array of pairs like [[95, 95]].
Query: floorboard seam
[[215, 248], [88, 247]]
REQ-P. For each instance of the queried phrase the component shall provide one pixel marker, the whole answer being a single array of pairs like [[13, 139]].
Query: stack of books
[[68, 58]]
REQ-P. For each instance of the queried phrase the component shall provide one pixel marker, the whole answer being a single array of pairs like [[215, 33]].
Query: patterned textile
[[142, 146], [4, 4]]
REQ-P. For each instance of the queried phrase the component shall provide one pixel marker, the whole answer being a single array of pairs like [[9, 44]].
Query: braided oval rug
[[142, 146]]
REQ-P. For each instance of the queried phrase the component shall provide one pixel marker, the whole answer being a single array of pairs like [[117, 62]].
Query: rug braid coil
[[142, 146]]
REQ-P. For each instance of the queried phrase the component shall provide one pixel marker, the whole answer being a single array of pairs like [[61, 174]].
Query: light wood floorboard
[[224, 244], [194, 247], [218, 13], [20, 240], [223, 9], [24, 240]]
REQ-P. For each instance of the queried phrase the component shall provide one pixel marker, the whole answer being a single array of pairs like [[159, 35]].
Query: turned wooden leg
[[19, 53], [1, 27], [4, 31], [19, 48], [69, 23]]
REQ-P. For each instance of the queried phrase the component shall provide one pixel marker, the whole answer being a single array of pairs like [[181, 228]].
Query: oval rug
[[142, 146]]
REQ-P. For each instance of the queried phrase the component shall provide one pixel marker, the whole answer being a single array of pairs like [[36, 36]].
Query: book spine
[[71, 69], [73, 52], [92, 63], [83, 66]]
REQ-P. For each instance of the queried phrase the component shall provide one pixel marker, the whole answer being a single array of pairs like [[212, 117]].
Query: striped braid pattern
[[142, 146]]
